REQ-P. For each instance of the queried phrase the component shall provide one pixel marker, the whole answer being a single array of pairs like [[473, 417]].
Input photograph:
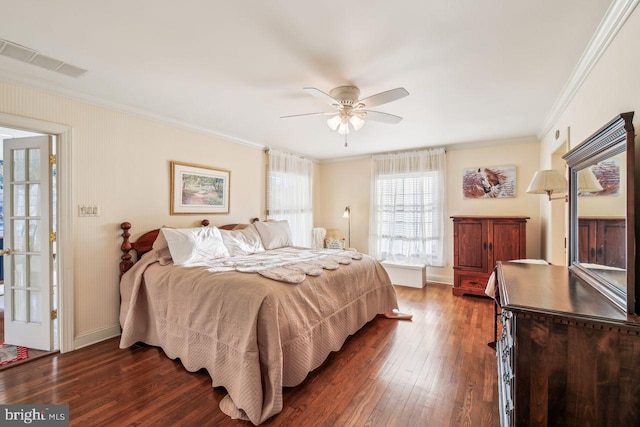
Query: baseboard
[[437, 278], [94, 337]]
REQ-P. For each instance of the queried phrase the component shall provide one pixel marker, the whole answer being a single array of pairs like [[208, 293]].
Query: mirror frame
[[614, 138]]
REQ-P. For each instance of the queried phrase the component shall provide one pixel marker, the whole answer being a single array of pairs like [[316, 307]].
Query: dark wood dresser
[[566, 356], [481, 241]]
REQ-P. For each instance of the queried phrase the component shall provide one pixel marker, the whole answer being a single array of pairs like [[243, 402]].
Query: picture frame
[[489, 182], [197, 189]]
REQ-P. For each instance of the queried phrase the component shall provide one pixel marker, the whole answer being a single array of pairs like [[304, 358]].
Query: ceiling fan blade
[[384, 97], [322, 96], [379, 116], [332, 113]]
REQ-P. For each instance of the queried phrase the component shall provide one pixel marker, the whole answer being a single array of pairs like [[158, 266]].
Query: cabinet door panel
[[611, 243], [586, 241], [472, 245], [505, 240]]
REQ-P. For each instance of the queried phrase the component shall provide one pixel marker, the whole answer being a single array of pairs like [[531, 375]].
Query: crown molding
[[35, 83], [467, 145], [615, 18]]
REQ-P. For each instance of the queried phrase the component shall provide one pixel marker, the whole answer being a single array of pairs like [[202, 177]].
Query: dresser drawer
[[474, 281]]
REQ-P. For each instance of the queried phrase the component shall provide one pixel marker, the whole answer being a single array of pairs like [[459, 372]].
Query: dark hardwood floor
[[435, 370]]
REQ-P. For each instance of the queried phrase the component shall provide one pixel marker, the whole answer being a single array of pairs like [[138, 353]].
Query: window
[[407, 207], [290, 194]]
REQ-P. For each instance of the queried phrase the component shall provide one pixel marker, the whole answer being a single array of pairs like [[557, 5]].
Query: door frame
[[64, 217], [559, 210]]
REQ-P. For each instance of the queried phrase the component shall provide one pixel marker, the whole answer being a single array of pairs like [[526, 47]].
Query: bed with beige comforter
[[253, 334]]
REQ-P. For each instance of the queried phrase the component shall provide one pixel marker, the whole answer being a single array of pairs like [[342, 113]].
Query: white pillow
[[193, 246], [242, 242], [274, 234]]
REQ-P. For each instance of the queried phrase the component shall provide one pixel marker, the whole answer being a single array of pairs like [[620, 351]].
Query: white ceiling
[[475, 70]]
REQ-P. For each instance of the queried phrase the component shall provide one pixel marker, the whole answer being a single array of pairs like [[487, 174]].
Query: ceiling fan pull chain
[[345, 140]]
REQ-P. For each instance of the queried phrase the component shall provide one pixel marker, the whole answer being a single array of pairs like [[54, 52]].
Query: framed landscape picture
[[199, 189]]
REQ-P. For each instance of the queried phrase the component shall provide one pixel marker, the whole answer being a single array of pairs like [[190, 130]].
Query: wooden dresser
[[481, 241], [567, 356]]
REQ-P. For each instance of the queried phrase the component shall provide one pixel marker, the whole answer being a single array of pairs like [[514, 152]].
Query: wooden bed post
[[126, 247]]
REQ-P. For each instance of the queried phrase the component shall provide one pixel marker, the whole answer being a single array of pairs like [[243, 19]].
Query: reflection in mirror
[[602, 214], [601, 207]]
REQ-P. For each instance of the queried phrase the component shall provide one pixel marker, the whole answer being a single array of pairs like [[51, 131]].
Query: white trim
[[97, 336], [447, 147], [35, 83], [65, 219], [438, 278], [615, 18]]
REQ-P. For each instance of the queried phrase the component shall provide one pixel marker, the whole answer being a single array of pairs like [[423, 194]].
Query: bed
[[254, 327]]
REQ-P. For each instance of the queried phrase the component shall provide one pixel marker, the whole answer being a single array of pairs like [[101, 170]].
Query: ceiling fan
[[351, 112]]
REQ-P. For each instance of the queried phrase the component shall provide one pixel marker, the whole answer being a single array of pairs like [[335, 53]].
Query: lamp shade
[[587, 182], [547, 182], [347, 212]]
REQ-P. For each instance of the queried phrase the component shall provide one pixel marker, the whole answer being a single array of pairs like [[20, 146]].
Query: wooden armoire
[[601, 240], [479, 242]]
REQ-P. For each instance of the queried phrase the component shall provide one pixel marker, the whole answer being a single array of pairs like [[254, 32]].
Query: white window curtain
[[407, 207], [290, 194]]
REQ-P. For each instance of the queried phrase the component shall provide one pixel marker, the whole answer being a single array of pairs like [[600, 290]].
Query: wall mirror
[[602, 212]]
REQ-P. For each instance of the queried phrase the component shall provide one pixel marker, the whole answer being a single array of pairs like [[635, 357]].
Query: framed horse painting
[[489, 182]]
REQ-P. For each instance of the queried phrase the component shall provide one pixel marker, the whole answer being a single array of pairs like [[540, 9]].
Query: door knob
[[5, 252]]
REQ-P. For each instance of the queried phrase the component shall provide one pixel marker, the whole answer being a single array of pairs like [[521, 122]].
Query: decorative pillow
[[275, 234], [334, 243], [243, 241], [192, 246]]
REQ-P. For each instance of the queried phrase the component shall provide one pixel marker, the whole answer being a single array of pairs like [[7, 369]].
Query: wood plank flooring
[[433, 371]]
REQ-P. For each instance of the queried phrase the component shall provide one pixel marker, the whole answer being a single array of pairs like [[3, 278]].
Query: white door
[[27, 246]]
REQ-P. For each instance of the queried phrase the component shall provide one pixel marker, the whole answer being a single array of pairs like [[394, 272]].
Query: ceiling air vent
[[17, 52], [46, 62], [30, 56], [71, 70]]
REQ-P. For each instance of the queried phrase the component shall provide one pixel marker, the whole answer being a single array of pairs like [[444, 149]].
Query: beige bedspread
[[252, 334]]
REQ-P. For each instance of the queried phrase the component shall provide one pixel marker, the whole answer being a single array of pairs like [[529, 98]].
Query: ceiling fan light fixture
[[343, 129], [356, 122], [351, 111], [334, 122]]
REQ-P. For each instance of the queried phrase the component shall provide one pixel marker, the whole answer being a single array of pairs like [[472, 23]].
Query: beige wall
[[121, 163], [345, 183], [610, 89]]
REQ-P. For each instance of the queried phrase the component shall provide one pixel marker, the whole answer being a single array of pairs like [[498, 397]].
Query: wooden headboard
[[145, 243]]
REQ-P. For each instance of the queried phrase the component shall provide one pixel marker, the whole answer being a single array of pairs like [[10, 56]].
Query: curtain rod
[[410, 150]]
